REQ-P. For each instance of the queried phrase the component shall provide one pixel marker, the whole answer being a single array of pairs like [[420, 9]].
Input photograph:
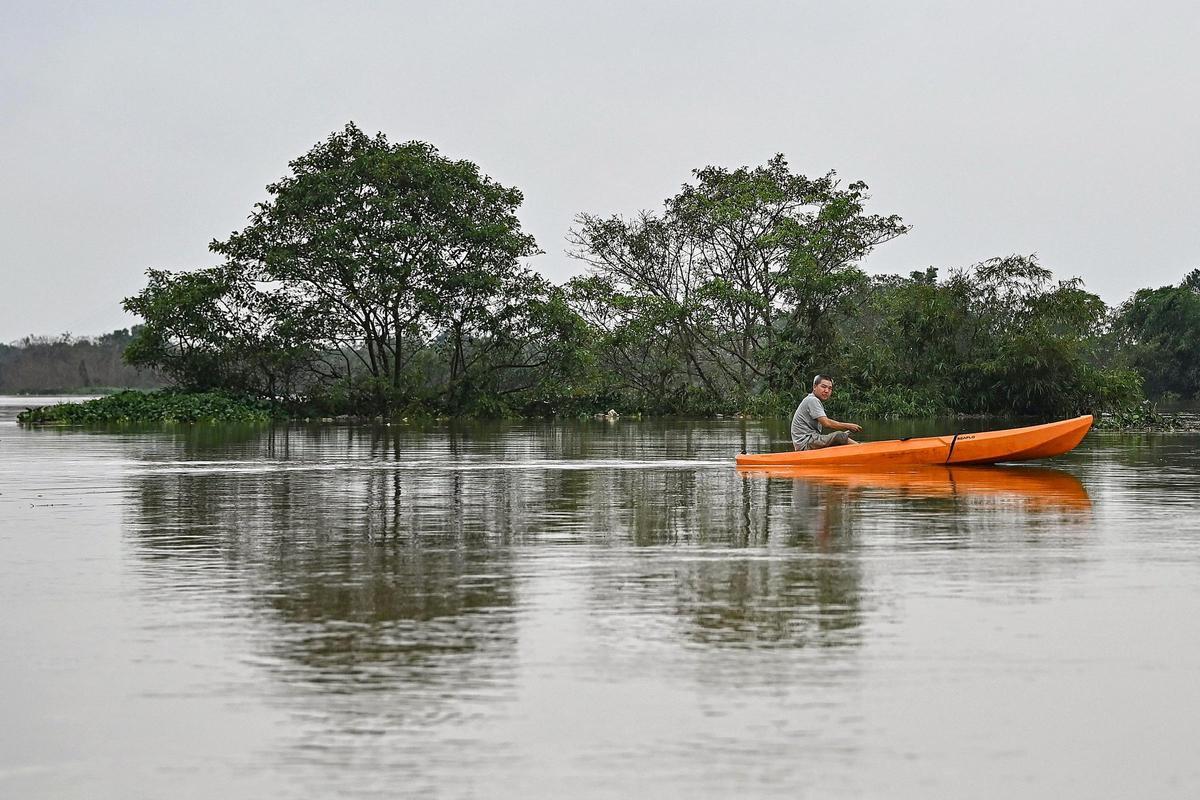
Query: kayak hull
[[987, 447]]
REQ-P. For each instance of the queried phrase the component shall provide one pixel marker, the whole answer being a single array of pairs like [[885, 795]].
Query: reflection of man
[[810, 418]]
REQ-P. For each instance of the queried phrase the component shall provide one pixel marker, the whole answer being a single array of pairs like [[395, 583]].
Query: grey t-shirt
[[804, 422]]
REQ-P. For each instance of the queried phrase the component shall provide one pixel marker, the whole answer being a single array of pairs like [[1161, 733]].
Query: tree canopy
[[735, 281], [377, 271], [999, 336], [378, 277]]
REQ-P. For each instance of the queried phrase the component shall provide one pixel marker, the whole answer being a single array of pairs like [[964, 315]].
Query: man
[[810, 418]]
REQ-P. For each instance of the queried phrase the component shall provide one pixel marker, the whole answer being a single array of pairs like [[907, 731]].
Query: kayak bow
[[987, 447]]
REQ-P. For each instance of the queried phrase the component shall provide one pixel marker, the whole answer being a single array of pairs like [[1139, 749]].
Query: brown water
[[588, 610]]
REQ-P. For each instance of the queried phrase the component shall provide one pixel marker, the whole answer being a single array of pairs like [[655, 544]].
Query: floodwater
[[588, 609]]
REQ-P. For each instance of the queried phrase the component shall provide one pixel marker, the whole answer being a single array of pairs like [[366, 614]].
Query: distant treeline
[[381, 278], [69, 364]]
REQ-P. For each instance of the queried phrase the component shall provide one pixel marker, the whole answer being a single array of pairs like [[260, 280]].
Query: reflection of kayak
[[1036, 483], [988, 447]]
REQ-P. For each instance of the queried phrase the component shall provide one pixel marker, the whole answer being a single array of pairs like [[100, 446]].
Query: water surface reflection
[[528, 610], [377, 548]]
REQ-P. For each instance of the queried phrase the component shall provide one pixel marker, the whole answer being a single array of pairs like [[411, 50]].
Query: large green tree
[[737, 279], [381, 274], [382, 248]]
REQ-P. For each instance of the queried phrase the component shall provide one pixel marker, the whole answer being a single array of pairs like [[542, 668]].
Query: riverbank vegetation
[[387, 279], [69, 364]]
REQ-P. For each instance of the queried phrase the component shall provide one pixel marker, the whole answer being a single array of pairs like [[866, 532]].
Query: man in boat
[[810, 418]]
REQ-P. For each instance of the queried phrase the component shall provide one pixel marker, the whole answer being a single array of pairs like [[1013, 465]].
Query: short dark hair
[[820, 377]]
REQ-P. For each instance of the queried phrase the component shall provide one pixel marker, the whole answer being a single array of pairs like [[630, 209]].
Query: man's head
[[822, 387]]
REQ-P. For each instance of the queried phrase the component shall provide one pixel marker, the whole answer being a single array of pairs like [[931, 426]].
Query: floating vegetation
[[1146, 417], [154, 407]]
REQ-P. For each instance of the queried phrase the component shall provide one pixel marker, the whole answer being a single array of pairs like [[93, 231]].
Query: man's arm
[[833, 424]]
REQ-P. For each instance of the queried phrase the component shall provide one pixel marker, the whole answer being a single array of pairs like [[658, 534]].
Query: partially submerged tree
[[385, 248], [739, 274], [370, 268]]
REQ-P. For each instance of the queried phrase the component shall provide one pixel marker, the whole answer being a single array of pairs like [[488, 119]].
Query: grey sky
[[133, 133]]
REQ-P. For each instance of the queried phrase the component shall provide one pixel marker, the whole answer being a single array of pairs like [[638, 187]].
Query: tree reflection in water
[[380, 556]]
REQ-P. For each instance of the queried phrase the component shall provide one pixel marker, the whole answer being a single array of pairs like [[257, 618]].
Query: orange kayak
[[987, 447]]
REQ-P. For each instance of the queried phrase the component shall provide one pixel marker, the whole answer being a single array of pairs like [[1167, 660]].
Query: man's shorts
[[827, 440]]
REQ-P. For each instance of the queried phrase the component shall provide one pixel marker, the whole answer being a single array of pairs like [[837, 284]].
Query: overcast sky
[[133, 133]]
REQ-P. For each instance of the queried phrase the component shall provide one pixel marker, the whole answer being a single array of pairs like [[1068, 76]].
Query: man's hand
[[826, 422]]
